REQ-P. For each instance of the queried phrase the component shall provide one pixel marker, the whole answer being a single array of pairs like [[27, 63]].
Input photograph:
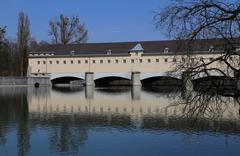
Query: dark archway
[[113, 81], [66, 80], [36, 85], [163, 81], [221, 84]]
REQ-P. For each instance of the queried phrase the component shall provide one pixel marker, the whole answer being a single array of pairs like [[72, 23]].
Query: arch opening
[[112, 81], [67, 80], [220, 83], [161, 81], [36, 85]]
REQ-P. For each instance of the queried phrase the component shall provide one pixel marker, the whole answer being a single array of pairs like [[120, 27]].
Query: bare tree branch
[[67, 30]]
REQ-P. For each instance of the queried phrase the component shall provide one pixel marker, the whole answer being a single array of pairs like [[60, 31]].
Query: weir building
[[134, 61]]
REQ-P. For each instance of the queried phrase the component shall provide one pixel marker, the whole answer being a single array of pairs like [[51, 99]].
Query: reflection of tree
[[23, 135], [203, 106], [67, 138], [14, 109]]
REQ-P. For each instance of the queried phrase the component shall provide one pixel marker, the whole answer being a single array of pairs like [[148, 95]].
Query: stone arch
[[204, 76], [112, 79], [65, 80], [161, 80], [159, 74], [105, 75], [59, 75], [36, 84]]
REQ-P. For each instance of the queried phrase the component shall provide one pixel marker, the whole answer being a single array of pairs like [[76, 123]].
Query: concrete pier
[[136, 80], [89, 92], [187, 83], [136, 93], [237, 77], [89, 78]]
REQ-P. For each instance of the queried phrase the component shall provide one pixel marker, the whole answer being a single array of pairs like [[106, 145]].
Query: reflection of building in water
[[138, 108]]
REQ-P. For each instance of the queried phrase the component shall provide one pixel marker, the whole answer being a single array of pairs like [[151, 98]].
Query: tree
[[67, 30], [4, 56], [190, 20], [2, 32], [23, 38]]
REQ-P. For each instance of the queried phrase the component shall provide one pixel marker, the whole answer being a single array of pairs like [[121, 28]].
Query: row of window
[[108, 61], [117, 61]]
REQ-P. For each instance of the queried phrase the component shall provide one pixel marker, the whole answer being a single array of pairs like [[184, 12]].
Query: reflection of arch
[[64, 80], [112, 81], [161, 81], [67, 89], [114, 90]]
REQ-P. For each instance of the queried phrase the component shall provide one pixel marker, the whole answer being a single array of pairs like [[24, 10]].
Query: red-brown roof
[[150, 47]]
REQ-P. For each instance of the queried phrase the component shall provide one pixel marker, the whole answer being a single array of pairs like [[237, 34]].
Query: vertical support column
[[89, 92], [29, 71], [187, 83], [136, 79], [89, 78], [136, 92], [237, 79]]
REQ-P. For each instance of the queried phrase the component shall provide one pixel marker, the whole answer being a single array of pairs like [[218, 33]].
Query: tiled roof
[[119, 48]]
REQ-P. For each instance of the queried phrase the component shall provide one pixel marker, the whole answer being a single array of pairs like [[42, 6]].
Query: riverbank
[[25, 81]]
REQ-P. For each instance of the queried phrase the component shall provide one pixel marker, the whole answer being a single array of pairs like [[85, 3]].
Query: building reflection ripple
[[70, 113]]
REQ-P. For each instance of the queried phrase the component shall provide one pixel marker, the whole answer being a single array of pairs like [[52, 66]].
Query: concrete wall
[[23, 81], [100, 64]]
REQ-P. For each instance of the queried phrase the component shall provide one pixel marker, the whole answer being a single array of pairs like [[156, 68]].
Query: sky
[[106, 20]]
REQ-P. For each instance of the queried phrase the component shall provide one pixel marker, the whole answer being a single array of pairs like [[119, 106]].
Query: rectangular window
[[174, 60], [44, 62], [165, 60], [116, 61], [149, 60], [124, 61], [57, 62], [50, 62], [157, 60], [38, 62], [79, 62], [86, 61], [132, 60], [101, 61], [71, 61], [140, 60], [93, 61], [109, 61], [64, 62]]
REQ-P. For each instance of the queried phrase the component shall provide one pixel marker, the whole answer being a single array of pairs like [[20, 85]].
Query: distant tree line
[[14, 53]]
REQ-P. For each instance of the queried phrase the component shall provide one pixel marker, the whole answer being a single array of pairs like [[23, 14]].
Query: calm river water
[[117, 122]]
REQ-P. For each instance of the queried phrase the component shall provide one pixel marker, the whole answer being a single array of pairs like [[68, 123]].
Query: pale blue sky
[[106, 20]]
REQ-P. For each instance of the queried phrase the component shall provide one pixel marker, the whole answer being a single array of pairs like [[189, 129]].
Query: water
[[117, 121]]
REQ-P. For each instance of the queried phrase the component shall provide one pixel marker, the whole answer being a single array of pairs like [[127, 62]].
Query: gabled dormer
[[137, 50]]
